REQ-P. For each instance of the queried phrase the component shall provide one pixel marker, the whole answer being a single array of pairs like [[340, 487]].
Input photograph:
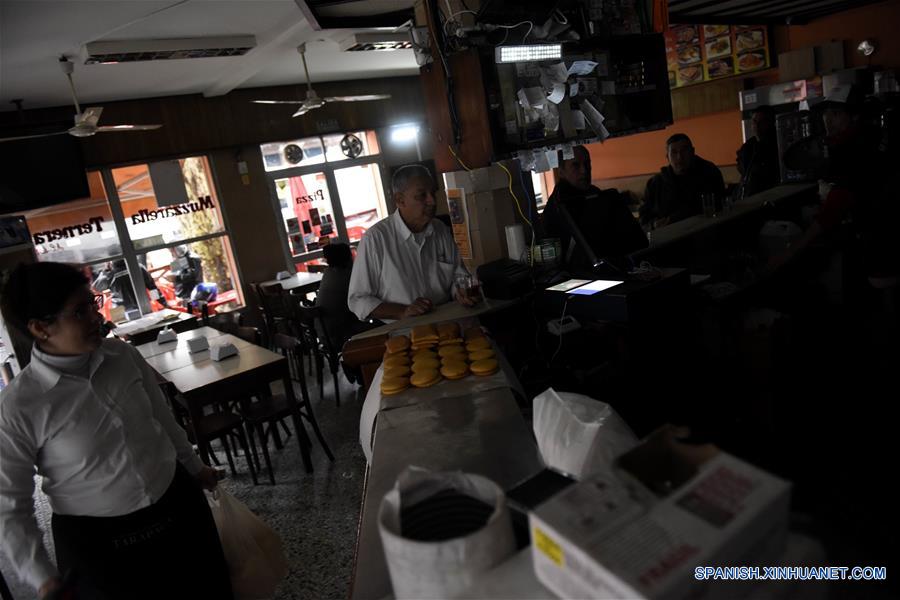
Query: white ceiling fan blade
[[28, 137], [108, 128], [357, 98], [303, 110], [278, 101], [91, 115]]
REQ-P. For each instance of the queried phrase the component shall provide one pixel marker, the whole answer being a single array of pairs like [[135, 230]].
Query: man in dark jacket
[[604, 219], [757, 159], [673, 194]]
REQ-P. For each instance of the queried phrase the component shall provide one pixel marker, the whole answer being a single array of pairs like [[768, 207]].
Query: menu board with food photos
[[698, 53]]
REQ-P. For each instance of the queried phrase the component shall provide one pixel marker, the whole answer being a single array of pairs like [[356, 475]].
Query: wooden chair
[[272, 304], [219, 424], [263, 414], [308, 320]]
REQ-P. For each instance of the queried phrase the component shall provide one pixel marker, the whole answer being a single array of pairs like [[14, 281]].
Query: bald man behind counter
[[604, 219], [407, 263]]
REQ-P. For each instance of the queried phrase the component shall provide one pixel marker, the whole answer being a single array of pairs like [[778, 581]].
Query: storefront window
[[362, 198], [168, 201], [201, 270], [174, 221], [306, 211], [76, 232]]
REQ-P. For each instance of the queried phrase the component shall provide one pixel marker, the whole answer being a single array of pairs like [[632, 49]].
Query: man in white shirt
[[407, 263]]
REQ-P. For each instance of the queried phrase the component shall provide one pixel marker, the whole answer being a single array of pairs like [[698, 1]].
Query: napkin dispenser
[[198, 344], [165, 336], [220, 351]]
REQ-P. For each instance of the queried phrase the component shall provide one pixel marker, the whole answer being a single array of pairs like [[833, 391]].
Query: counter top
[[693, 225], [450, 311]]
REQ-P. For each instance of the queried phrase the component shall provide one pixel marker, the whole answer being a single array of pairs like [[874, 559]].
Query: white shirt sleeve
[[163, 414], [363, 296], [22, 539]]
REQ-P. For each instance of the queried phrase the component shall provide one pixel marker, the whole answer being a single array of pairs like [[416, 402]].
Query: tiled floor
[[315, 515]]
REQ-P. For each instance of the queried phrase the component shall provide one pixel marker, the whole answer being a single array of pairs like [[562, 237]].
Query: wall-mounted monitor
[[40, 171]]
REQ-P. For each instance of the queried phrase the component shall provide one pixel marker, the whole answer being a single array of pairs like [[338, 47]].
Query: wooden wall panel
[[194, 124]]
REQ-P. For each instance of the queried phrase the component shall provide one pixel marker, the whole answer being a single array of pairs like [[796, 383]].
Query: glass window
[[306, 211], [362, 198], [77, 232], [355, 144], [168, 201], [294, 153], [201, 270]]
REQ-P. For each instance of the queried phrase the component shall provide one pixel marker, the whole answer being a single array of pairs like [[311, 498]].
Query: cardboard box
[[640, 530]]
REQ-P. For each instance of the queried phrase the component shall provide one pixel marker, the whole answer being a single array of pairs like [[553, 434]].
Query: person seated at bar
[[339, 322], [673, 194], [130, 519], [117, 279], [604, 219], [407, 263], [757, 158]]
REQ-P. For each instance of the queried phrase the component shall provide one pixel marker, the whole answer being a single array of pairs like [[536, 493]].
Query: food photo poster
[[698, 53]]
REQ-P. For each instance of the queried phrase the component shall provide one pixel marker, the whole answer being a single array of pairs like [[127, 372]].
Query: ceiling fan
[[85, 122], [312, 99]]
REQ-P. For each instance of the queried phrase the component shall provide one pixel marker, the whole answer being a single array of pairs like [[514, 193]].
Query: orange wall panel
[[716, 138]]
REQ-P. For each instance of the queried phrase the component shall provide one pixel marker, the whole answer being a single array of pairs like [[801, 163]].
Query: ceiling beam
[[269, 45]]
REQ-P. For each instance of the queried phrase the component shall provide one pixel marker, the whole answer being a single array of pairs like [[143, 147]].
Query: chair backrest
[[226, 322], [282, 341], [311, 319], [248, 334]]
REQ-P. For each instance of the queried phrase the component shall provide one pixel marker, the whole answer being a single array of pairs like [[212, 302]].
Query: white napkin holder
[[165, 336], [282, 275], [220, 351], [197, 344]]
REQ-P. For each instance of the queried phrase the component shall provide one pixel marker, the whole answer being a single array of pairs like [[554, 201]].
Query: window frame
[[328, 168], [130, 253]]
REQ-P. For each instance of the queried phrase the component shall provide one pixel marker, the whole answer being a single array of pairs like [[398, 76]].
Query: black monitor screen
[[40, 171]]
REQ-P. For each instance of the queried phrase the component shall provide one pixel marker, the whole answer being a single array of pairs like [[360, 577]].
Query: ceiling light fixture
[[143, 50], [531, 53]]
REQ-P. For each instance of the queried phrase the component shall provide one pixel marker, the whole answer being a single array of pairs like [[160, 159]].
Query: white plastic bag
[[577, 434], [442, 569], [252, 549]]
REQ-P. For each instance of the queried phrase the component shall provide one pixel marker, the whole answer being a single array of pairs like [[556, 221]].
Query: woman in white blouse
[[129, 516]]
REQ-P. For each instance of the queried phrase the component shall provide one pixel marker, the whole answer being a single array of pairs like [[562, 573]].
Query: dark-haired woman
[[129, 516]]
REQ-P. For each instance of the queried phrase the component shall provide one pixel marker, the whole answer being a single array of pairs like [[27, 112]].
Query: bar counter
[[686, 228]]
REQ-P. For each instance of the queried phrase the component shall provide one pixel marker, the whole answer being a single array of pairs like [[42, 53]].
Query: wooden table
[[147, 324], [201, 380], [298, 283]]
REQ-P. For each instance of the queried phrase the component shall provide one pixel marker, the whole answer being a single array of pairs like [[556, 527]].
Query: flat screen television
[[40, 171], [540, 104]]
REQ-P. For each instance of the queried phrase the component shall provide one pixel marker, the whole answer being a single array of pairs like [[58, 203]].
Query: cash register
[[606, 291]]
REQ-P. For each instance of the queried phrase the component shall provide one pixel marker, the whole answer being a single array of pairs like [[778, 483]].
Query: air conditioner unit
[[365, 42], [171, 49]]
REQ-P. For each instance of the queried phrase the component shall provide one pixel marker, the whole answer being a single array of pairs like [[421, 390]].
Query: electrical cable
[[529, 23], [521, 214]]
